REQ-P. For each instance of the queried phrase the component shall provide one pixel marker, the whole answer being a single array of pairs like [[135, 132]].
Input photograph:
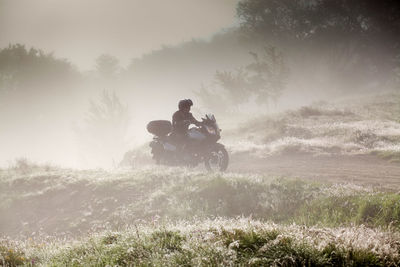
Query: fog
[[80, 80], [83, 30], [80, 32]]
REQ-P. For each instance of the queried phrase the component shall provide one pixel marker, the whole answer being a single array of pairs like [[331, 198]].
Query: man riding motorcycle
[[175, 144], [181, 121]]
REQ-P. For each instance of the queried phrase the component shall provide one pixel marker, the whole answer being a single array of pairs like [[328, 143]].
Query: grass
[[171, 216], [391, 156], [368, 125], [378, 210], [77, 201], [219, 242]]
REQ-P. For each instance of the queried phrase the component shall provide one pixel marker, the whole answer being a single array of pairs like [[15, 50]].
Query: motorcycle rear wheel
[[218, 159]]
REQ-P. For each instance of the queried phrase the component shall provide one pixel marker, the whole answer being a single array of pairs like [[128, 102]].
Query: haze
[[79, 80], [306, 169], [82, 30]]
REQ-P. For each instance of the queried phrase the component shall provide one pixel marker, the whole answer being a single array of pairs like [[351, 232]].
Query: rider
[[181, 121]]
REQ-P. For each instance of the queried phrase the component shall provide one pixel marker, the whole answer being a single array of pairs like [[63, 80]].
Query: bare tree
[[104, 133]]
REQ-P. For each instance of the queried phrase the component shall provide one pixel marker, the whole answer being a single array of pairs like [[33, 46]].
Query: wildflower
[[254, 261], [234, 244]]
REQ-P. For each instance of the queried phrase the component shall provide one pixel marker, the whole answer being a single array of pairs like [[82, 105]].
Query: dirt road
[[358, 169]]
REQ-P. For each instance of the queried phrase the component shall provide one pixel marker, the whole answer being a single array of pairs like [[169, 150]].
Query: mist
[[199, 133], [81, 31], [37, 125], [68, 65]]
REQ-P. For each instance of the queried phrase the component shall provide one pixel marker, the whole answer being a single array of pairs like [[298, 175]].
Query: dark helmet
[[185, 103]]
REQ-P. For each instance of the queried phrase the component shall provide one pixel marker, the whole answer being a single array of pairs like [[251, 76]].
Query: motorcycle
[[201, 145]]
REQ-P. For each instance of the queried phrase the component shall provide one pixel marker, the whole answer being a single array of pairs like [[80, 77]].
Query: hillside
[[120, 214], [73, 202], [304, 202], [349, 127]]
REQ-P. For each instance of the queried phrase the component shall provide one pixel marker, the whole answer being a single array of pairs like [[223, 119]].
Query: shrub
[[10, 256]]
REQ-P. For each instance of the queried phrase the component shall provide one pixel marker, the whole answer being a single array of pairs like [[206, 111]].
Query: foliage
[[235, 85], [270, 75], [117, 199], [372, 210], [145, 199], [22, 69], [107, 66], [11, 256], [23, 166], [37, 90], [108, 110], [358, 38], [335, 129], [221, 242], [262, 81], [104, 131], [391, 156]]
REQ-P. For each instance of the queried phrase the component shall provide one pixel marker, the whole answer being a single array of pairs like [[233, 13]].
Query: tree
[[269, 75], [25, 70], [262, 80], [358, 38], [235, 85], [104, 133], [107, 66]]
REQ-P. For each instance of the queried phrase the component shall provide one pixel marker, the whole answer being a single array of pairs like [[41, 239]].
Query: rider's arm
[[194, 121]]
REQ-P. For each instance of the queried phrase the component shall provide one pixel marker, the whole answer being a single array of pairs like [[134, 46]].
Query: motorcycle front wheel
[[218, 159]]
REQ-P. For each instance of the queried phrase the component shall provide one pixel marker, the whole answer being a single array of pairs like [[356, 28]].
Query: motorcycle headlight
[[210, 130]]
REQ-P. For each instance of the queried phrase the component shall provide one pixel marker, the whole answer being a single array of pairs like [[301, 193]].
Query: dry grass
[[217, 242], [342, 128]]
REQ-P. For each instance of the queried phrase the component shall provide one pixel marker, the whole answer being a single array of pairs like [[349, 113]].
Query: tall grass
[[340, 128], [171, 216], [220, 242], [72, 202]]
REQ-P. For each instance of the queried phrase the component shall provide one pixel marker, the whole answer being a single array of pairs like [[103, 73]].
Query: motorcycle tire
[[221, 157]]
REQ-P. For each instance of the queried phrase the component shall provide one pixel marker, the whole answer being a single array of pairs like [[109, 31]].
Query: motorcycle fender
[[169, 147]]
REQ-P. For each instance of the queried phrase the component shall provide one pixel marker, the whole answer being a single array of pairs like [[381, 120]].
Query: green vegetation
[[264, 80], [10, 255], [169, 217], [369, 126], [91, 198], [20, 68], [240, 242], [391, 156], [381, 209]]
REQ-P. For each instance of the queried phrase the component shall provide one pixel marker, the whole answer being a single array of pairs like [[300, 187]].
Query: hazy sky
[[81, 30]]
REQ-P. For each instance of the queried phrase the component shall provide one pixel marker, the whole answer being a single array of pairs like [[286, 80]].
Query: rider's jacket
[[181, 121]]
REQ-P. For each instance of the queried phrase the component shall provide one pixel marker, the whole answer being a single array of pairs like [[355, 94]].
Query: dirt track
[[359, 169]]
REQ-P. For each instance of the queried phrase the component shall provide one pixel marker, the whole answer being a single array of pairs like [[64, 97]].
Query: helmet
[[185, 103]]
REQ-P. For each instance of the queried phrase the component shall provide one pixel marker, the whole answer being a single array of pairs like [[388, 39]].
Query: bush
[[10, 256]]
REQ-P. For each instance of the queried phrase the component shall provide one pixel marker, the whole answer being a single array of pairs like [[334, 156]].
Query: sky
[[81, 30]]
